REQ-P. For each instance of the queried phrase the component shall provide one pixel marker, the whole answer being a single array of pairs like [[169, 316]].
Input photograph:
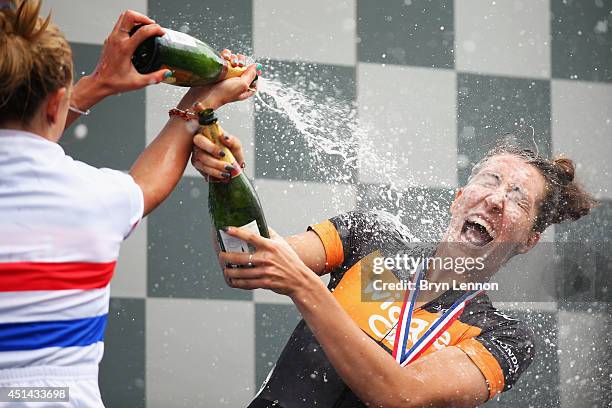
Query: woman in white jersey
[[61, 220]]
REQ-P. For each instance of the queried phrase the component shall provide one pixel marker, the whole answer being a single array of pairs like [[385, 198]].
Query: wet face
[[493, 215]]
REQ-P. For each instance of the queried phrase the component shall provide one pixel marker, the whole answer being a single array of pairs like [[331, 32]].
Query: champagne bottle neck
[[214, 133], [230, 72]]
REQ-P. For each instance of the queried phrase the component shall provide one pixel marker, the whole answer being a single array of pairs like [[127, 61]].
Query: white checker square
[[130, 279], [160, 99], [235, 118], [200, 353], [582, 130], [89, 21], [409, 115], [508, 37], [316, 31], [290, 207]]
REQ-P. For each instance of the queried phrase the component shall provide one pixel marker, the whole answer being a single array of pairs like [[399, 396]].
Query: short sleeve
[[332, 243], [124, 200], [502, 351], [350, 236]]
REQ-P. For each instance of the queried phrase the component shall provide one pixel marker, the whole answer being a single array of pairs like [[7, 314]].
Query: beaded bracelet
[[186, 114]]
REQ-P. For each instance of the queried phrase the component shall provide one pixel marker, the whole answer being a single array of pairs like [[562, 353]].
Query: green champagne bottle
[[192, 62], [233, 202]]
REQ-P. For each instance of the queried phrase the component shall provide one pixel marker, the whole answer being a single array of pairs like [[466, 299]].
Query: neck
[[34, 127]]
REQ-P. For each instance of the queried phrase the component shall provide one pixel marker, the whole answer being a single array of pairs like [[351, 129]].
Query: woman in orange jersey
[[441, 348]]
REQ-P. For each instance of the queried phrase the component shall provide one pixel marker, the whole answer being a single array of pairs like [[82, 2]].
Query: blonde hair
[[36, 59]]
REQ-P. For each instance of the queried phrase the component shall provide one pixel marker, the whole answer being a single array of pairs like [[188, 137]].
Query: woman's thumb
[[157, 76]]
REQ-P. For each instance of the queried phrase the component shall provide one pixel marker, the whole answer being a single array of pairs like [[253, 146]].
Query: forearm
[[365, 367], [87, 92], [160, 166], [310, 249]]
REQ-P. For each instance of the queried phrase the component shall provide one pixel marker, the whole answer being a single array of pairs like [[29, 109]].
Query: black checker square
[[581, 40], [181, 261], [122, 371], [113, 135], [219, 23], [285, 152], [406, 32], [488, 107]]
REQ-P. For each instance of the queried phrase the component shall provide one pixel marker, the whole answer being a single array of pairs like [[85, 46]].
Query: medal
[[402, 332]]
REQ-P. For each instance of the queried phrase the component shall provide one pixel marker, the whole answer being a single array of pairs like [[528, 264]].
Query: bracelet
[[77, 110], [186, 114]]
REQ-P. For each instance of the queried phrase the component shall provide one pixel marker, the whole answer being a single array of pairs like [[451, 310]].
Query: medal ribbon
[[442, 323]]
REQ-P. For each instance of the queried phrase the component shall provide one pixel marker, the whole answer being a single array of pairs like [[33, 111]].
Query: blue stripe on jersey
[[59, 333]]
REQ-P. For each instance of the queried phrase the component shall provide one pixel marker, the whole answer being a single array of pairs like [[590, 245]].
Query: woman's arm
[[446, 378], [114, 72], [159, 168], [307, 245], [309, 248]]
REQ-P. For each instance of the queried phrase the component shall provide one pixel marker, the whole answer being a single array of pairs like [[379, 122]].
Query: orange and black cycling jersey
[[500, 346]]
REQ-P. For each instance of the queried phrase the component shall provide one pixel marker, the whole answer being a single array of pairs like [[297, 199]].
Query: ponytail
[[36, 59], [574, 201]]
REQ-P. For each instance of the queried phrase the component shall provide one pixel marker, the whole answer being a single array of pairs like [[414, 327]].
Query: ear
[[456, 199], [54, 104], [534, 238]]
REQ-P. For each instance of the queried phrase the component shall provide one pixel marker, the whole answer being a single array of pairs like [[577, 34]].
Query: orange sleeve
[[334, 252], [487, 364]]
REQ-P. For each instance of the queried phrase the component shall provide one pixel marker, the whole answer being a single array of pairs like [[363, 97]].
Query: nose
[[495, 200]]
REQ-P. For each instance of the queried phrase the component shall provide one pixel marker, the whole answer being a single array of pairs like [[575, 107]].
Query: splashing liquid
[[332, 128], [327, 129]]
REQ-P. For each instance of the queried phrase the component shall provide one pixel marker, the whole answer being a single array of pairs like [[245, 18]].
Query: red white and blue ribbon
[[402, 329], [402, 332]]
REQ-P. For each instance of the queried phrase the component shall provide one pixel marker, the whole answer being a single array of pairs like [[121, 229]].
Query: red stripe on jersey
[[22, 276]]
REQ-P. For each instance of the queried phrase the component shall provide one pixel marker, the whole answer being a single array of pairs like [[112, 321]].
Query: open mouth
[[477, 232]]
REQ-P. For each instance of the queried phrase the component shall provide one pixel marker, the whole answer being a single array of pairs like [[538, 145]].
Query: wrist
[[309, 288], [87, 92], [195, 95]]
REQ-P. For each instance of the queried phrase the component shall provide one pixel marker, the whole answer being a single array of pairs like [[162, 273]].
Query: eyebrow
[[519, 188], [489, 173]]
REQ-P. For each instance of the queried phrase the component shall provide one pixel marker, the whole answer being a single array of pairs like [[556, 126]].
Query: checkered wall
[[437, 81]]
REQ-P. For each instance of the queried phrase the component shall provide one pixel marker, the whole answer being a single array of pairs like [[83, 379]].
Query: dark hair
[[36, 59], [565, 199]]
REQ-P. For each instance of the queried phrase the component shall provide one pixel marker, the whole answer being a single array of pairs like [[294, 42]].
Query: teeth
[[482, 222]]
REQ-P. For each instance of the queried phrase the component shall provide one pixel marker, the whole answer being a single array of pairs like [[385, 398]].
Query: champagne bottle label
[[233, 244], [180, 38]]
